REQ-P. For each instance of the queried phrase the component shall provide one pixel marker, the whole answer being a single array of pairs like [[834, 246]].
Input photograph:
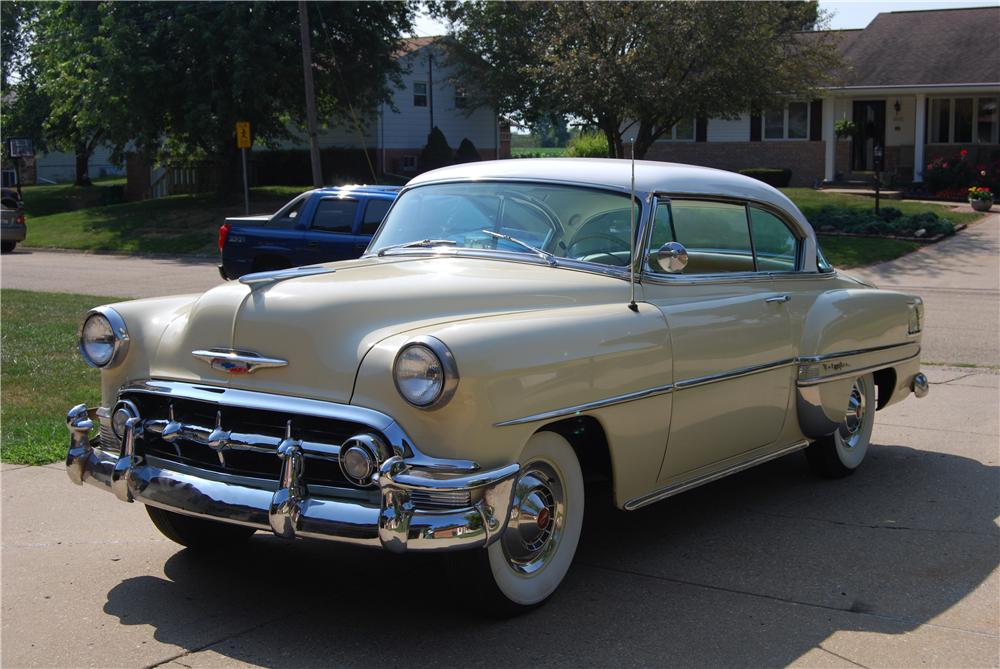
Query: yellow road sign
[[243, 135]]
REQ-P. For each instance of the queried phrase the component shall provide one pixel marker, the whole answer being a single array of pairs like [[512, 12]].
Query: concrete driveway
[[895, 566]]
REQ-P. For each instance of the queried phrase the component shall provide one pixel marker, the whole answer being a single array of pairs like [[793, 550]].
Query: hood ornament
[[233, 361]]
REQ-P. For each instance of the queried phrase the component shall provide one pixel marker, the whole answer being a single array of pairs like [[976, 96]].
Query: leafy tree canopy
[[634, 69]]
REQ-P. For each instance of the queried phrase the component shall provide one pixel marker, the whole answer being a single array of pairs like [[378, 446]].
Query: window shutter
[[755, 126], [701, 128], [816, 121]]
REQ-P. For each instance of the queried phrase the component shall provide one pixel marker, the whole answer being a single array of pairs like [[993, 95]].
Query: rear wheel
[[198, 533], [841, 453], [525, 566], [7, 247]]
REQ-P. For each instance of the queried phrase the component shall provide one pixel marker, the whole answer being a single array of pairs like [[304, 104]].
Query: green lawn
[[845, 252], [41, 372], [46, 200], [540, 151], [810, 201], [181, 224]]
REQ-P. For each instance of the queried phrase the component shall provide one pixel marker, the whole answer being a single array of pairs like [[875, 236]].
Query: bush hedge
[[779, 177], [467, 152], [589, 145], [888, 222]]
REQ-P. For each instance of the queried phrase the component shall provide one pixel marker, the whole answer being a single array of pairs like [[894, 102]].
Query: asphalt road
[[894, 566]]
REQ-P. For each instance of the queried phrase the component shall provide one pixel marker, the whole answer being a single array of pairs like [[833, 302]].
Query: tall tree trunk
[[83, 152], [612, 131]]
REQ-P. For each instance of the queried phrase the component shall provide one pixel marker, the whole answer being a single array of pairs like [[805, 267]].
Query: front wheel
[[527, 563], [198, 533], [841, 453]]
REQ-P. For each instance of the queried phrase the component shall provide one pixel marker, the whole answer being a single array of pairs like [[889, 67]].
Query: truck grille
[[255, 435]]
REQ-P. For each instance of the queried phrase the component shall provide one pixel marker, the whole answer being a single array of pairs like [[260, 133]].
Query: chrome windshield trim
[[687, 484], [589, 406], [734, 373]]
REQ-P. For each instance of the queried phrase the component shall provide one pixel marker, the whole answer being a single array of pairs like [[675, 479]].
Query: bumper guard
[[395, 525]]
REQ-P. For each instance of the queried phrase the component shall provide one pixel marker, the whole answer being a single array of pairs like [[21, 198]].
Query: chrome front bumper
[[290, 511]]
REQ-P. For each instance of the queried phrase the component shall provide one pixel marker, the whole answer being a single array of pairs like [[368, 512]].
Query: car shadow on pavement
[[757, 569]]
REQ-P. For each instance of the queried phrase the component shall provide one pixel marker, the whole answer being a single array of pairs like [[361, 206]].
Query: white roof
[[650, 177]]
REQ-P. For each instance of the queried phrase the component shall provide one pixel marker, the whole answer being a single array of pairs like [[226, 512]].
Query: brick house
[[917, 83]]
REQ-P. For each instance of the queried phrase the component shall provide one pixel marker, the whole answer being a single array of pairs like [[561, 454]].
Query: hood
[[323, 325]]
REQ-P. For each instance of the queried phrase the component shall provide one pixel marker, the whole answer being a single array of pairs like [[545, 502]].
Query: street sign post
[[244, 142]]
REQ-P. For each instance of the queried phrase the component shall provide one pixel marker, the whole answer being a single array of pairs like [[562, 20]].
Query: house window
[[419, 93], [963, 120], [409, 162], [683, 131], [460, 98], [792, 122], [9, 178]]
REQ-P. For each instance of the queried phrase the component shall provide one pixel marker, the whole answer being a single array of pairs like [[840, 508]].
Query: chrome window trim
[[118, 329]]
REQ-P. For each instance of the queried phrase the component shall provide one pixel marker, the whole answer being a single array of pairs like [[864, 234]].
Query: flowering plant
[[980, 193]]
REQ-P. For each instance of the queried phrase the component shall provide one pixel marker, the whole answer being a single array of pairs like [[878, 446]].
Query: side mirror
[[672, 257]]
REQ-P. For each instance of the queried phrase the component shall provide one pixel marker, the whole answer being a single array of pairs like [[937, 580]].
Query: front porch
[[912, 126]]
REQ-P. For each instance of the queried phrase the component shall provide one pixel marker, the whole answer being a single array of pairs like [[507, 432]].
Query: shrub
[[589, 145], [949, 174], [466, 152], [436, 153], [779, 177], [889, 221]]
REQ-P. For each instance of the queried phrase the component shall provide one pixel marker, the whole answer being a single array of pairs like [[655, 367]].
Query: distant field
[[538, 152]]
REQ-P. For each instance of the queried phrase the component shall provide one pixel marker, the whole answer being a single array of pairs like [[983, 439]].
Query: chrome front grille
[[109, 442], [441, 499], [239, 441]]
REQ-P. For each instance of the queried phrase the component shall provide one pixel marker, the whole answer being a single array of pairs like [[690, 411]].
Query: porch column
[[829, 141], [919, 139]]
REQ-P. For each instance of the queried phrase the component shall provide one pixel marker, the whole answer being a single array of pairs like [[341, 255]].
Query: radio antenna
[[631, 227]]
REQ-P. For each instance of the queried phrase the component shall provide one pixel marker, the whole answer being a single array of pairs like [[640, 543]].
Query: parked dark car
[[12, 225], [320, 225]]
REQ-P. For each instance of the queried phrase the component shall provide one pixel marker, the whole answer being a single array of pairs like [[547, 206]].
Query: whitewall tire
[[841, 453]]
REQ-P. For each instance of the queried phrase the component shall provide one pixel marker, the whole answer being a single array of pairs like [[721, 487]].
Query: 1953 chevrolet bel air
[[515, 331]]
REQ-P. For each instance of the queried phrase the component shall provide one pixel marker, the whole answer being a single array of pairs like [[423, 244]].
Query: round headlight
[[425, 373], [103, 337]]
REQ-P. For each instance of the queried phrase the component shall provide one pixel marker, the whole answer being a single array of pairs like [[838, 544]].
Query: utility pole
[[430, 87], [317, 169]]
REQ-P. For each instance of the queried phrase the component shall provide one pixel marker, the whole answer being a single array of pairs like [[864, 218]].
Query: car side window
[[715, 234], [775, 246], [335, 215], [374, 214]]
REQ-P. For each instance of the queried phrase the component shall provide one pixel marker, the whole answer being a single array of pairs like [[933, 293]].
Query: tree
[[551, 130], [170, 79], [634, 69]]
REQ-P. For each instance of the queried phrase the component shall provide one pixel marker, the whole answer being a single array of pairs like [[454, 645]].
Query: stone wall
[[804, 158]]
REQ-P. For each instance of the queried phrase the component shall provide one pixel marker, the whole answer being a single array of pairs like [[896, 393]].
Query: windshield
[[564, 221]]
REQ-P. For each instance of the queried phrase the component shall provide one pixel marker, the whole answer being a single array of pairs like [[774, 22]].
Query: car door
[[330, 235], [730, 334]]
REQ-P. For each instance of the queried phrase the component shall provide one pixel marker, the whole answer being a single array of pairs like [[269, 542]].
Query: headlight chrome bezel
[[449, 369], [118, 330]]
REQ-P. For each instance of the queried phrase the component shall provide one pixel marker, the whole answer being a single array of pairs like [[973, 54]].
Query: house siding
[[804, 158], [729, 130]]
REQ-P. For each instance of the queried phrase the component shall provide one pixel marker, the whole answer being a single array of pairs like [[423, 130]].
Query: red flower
[[963, 153], [945, 165]]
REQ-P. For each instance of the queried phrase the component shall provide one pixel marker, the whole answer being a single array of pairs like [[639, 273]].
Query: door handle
[[778, 298]]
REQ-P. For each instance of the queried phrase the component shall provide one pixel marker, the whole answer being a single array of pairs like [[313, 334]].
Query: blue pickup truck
[[318, 226]]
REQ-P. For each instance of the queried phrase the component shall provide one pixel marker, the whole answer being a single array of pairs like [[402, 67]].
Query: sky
[[845, 13]]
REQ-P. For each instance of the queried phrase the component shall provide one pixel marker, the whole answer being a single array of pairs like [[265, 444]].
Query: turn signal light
[[223, 233]]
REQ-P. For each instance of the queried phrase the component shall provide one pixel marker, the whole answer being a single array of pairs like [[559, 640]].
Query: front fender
[[520, 365]]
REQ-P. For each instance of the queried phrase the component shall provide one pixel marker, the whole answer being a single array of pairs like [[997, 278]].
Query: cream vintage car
[[494, 352]]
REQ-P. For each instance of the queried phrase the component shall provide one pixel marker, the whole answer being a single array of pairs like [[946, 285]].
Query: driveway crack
[[867, 526], [214, 642]]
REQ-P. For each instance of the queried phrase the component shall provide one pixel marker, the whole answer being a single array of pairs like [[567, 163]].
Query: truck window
[[335, 215], [373, 216]]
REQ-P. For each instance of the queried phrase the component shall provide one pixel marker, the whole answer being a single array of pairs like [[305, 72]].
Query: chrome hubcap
[[536, 519], [854, 419]]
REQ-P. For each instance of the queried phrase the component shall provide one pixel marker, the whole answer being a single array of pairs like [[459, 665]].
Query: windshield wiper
[[417, 244], [544, 255]]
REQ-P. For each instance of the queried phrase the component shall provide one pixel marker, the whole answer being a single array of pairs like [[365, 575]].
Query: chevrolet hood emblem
[[233, 361]]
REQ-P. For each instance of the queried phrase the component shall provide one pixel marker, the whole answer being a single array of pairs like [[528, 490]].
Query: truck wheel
[[839, 454], [7, 247], [527, 563], [198, 533]]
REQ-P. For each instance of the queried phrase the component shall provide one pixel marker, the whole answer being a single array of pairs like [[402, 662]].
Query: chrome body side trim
[[589, 406], [688, 484], [851, 364], [733, 374]]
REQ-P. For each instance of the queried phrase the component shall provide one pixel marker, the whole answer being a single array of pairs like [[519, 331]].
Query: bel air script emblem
[[233, 361]]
